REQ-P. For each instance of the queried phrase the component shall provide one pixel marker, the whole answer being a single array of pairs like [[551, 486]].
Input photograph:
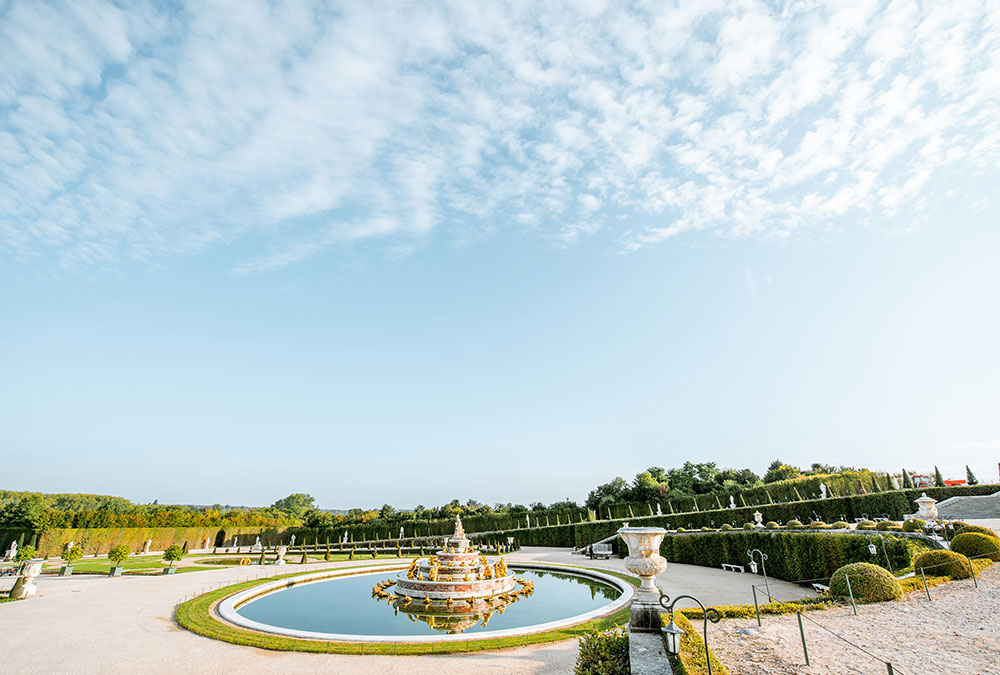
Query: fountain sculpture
[[454, 589]]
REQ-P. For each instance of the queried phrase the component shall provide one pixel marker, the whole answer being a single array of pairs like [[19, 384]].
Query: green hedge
[[792, 556], [99, 541]]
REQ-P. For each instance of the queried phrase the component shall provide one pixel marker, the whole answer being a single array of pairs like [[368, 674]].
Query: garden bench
[[820, 588], [733, 568], [602, 551]]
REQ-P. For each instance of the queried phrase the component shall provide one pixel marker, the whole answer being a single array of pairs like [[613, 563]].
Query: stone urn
[[926, 509], [644, 560], [282, 550]]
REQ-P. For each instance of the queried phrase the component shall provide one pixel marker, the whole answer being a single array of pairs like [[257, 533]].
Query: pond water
[[345, 605]]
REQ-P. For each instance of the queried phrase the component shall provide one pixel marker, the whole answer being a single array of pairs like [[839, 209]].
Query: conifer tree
[[970, 477], [938, 479], [907, 483]]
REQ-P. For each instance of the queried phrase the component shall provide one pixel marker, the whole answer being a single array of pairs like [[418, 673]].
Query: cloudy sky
[[295, 247]]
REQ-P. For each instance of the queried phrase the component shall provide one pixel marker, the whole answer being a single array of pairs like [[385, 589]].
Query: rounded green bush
[[966, 529], [818, 525], [974, 544], [747, 526], [793, 523], [841, 525], [913, 525], [885, 525], [706, 529], [869, 583], [681, 529], [771, 525], [866, 525], [943, 564], [726, 527]]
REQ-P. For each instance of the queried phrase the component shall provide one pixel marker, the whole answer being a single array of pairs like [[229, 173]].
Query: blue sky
[[398, 254]]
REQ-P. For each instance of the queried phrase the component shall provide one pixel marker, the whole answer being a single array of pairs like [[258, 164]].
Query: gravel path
[[956, 633]]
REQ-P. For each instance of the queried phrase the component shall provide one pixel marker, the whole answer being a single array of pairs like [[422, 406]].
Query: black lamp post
[[672, 633], [753, 568]]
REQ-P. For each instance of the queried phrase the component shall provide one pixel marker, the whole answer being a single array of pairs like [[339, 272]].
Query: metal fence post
[[851, 593], [755, 607], [924, 577], [889, 667], [972, 568], [802, 632]]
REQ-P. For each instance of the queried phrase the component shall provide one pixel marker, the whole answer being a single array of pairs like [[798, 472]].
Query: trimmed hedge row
[[792, 556]]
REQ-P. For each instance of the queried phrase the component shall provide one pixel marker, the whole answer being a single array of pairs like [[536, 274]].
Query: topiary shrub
[[25, 553], [706, 529], [681, 529], [818, 525], [841, 525], [603, 653], [726, 527], [974, 544], [792, 524], [747, 526], [304, 559], [173, 554], [913, 525], [119, 554], [968, 529], [869, 583], [771, 525], [866, 525], [885, 525], [943, 564]]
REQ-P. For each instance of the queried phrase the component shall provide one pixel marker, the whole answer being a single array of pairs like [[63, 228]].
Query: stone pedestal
[[282, 550], [32, 569], [644, 560]]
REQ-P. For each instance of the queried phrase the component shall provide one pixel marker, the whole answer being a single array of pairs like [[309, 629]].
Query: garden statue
[[344, 540], [12, 551], [527, 518], [400, 531], [282, 550], [659, 511], [822, 490], [256, 548], [291, 544], [145, 549], [732, 502]]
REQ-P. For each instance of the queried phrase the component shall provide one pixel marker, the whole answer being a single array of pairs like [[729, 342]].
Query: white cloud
[[139, 134]]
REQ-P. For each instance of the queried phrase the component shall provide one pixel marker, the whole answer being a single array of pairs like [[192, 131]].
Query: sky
[[389, 253]]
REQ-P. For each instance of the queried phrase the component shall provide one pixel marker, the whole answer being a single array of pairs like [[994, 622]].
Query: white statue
[[732, 502], [822, 490], [400, 531], [659, 511], [12, 552], [256, 548], [344, 540], [292, 544], [527, 518]]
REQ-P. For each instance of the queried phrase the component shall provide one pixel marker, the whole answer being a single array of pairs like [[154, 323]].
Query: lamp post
[[885, 549], [672, 632], [753, 568]]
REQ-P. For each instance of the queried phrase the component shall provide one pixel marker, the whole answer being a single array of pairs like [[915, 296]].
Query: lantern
[[672, 636]]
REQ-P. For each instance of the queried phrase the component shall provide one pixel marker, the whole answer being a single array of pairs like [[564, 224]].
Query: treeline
[[39, 511]]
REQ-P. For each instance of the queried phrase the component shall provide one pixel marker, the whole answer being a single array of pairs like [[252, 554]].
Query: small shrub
[[706, 529], [943, 564], [885, 525], [173, 554], [841, 525], [691, 660], [304, 559], [603, 653], [244, 561], [71, 555], [119, 554], [326, 556], [771, 525], [747, 526], [969, 529], [913, 525], [726, 527], [792, 524], [869, 583], [681, 529], [974, 544], [25, 553], [866, 525], [819, 525]]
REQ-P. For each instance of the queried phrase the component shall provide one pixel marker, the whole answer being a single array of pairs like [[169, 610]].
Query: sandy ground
[[955, 633], [91, 624]]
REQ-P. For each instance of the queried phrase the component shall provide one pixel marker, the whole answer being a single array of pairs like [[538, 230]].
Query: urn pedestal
[[644, 560], [31, 569]]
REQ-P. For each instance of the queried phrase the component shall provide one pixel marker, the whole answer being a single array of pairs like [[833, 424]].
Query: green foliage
[[841, 525], [791, 524], [173, 554], [866, 525], [974, 544], [914, 525], [304, 558], [25, 553], [818, 525], [295, 504], [771, 525], [726, 527], [119, 554], [748, 611], [965, 528], [326, 556], [747, 526], [71, 555], [603, 653], [885, 525], [778, 471], [941, 563], [262, 559], [869, 583], [970, 477], [691, 660], [938, 478]]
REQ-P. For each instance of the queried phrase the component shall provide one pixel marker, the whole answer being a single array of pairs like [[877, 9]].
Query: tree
[[938, 478], [779, 471], [645, 488], [295, 504], [907, 481], [970, 477], [25, 553], [71, 555], [387, 512], [119, 554], [173, 554], [609, 493]]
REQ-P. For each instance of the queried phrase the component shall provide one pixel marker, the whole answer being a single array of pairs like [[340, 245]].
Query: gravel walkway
[[956, 633]]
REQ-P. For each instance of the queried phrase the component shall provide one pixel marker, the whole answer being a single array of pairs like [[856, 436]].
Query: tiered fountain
[[454, 589]]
